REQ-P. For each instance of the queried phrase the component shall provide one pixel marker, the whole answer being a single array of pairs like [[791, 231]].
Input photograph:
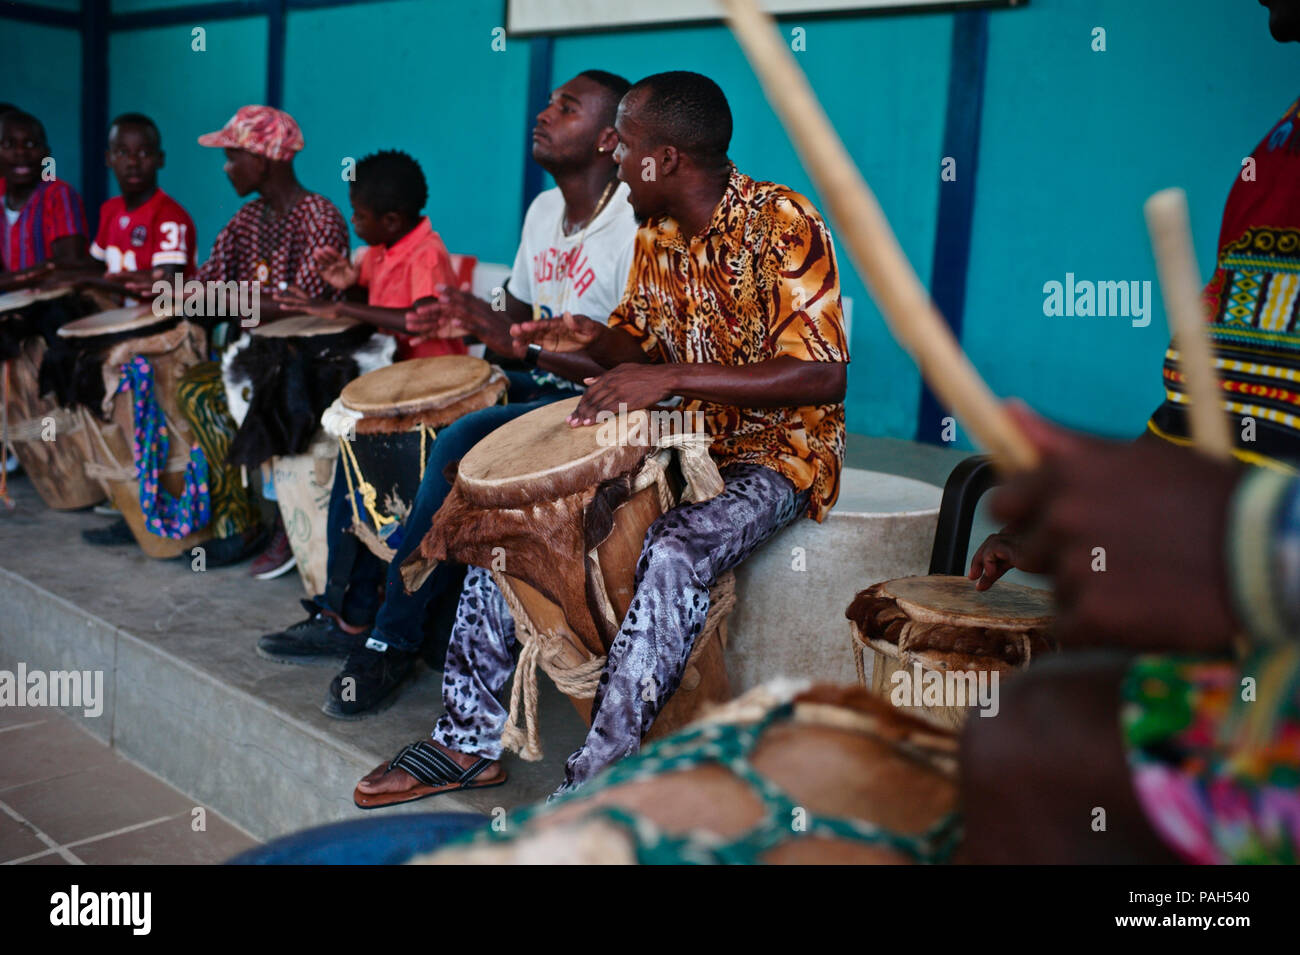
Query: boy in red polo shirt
[[404, 262], [143, 228]]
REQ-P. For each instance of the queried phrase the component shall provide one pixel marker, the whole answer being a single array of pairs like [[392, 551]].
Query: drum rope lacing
[[729, 745], [580, 682]]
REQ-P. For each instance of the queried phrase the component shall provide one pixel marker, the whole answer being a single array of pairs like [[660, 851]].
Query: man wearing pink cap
[[270, 240]]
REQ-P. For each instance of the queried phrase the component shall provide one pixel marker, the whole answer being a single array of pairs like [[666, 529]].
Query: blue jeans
[[354, 575], [390, 840]]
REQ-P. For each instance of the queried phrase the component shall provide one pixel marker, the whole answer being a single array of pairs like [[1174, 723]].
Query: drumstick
[[1180, 283], [872, 245]]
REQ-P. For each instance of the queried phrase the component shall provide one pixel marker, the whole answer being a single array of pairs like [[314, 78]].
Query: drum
[[939, 646], [49, 440], [302, 491], [278, 381], [386, 423], [559, 514], [103, 345], [832, 776]]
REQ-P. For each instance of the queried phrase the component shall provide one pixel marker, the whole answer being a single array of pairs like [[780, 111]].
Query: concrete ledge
[[187, 697]]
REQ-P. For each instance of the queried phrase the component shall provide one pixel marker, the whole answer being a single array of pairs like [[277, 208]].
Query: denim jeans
[[390, 840], [354, 575]]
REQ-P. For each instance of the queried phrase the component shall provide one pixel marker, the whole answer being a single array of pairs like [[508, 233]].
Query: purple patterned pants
[[685, 551]]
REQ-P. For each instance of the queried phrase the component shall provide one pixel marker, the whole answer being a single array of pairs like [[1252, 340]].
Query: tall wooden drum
[[560, 518], [386, 423], [49, 439], [935, 644], [106, 343]]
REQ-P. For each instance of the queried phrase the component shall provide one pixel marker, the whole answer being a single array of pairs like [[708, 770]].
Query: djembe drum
[[104, 344], [560, 516], [386, 423], [938, 636], [49, 439], [832, 776], [279, 380]]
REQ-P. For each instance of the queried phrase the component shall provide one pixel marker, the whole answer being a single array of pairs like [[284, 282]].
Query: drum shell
[[172, 353], [388, 451], [614, 566], [945, 627], [57, 468], [302, 489]]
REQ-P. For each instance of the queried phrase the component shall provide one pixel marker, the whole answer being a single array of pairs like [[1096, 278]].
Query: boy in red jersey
[[144, 228]]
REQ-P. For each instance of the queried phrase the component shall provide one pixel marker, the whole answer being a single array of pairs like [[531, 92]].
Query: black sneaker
[[114, 535], [225, 551], [368, 679], [318, 639]]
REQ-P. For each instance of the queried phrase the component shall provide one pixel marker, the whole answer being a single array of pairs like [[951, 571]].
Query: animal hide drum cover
[[43, 318], [290, 382], [547, 542]]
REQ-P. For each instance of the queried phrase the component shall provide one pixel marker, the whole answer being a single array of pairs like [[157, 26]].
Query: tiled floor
[[66, 798]]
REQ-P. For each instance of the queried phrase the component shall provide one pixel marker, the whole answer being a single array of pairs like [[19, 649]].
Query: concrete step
[[186, 696]]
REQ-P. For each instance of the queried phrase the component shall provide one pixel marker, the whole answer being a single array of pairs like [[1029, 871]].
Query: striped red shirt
[[54, 211]]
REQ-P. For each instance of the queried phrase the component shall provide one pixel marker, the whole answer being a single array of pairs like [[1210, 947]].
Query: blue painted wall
[[40, 72], [1072, 142]]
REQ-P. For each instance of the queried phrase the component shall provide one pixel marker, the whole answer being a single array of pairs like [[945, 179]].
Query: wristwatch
[[532, 354]]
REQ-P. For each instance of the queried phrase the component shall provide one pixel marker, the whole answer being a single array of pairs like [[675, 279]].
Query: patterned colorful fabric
[[52, 212], [1215, 752], [202, 400], [259, 245], [264, 130], [164, 515], [159, 232], [761, 282], [731, 747], [1253, 304], [400, 275]]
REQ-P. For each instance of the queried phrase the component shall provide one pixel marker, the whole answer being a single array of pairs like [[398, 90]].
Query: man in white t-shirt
[[574, 255]]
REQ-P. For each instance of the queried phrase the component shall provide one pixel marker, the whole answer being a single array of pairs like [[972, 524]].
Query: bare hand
[[453, 314], [335, 268], [998, 554], [631, 386], [1133, 535], [294, 299], [568, 333]]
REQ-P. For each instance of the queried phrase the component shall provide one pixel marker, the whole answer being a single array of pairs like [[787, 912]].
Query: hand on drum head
[[567, 333], [141, 284], [625, 388], [294, 299], [998, 554], [335, 268], [1132, 534]]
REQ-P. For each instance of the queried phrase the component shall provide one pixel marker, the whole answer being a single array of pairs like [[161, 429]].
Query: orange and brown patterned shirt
[[760, 282]]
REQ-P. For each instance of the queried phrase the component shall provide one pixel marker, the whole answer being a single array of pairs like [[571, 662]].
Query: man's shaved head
[[685, 110]]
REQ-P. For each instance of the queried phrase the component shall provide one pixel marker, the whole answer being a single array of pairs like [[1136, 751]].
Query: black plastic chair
[[961, 495]]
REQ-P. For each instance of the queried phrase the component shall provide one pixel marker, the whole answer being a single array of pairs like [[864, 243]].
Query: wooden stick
[[872, 245], [1180, 283]]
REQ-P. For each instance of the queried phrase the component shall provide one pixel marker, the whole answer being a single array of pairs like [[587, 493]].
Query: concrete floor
[[68, 799]]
